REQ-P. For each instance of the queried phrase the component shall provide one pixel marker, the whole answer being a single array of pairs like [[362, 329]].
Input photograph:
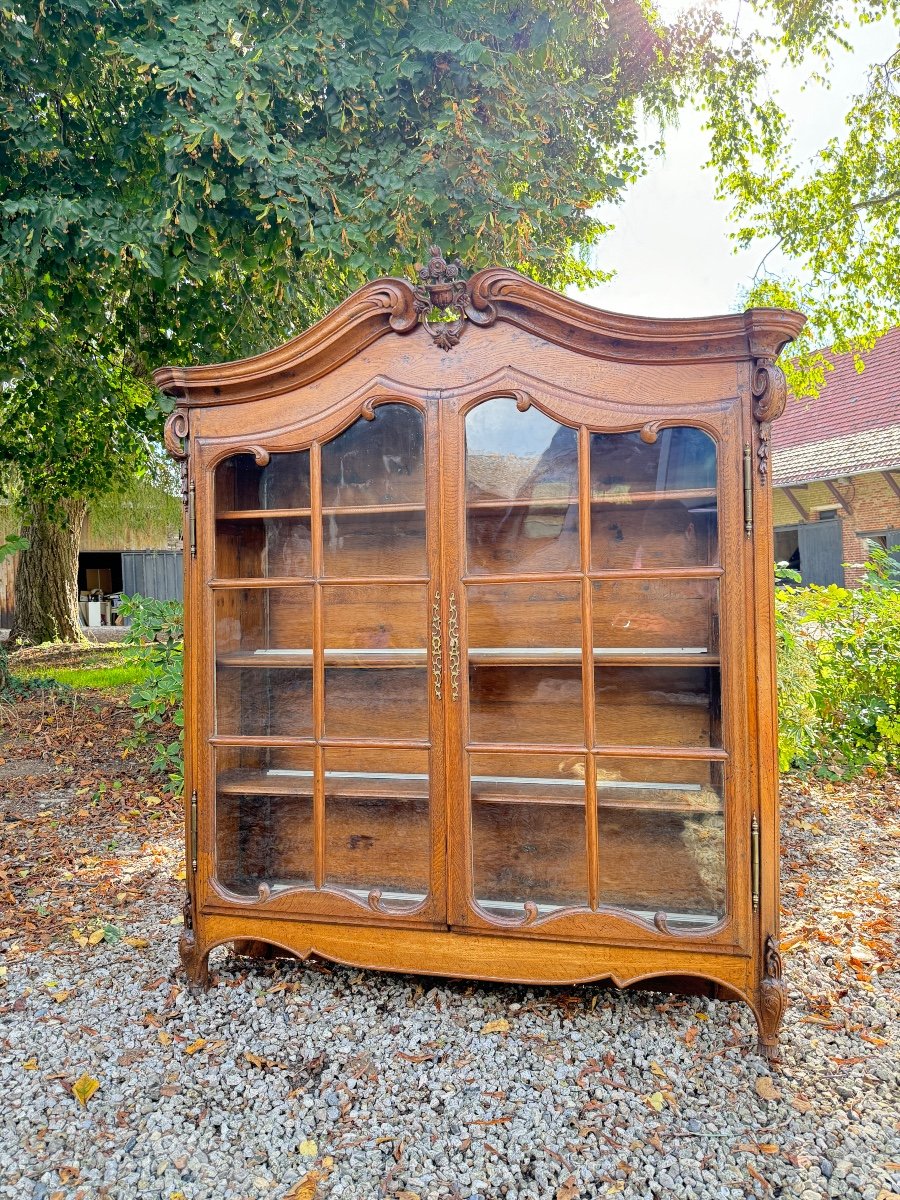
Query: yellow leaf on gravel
[[657, 1070], [308, 1187], [30, 1064], [766, 1089], [501, 1025], [195, 1046], [84, 1088], [138, 943], [59, 997], [308, 1148], [164, 1038], [656, 1101], [568, 1190], [96, 937]]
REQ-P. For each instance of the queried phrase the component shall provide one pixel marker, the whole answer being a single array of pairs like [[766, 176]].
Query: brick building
[[836, 468]]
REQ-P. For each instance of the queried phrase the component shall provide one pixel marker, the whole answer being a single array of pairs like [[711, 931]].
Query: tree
[[836, 220], [182, 181]]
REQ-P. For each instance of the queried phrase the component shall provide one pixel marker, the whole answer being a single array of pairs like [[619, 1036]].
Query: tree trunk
[[46, 595]]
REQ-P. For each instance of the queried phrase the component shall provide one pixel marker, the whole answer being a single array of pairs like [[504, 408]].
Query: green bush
[[839, 673], [155, 643]]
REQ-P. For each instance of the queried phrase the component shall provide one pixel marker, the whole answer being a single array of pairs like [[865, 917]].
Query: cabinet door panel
[[592, 667], [328, 731]]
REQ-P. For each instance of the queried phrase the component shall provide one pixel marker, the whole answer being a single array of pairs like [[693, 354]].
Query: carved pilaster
[[194, 960], [769, 397]]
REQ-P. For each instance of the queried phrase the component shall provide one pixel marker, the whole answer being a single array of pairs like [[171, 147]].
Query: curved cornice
[[494, 295]]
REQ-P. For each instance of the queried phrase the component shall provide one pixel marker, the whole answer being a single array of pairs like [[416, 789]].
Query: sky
[[670, 247]]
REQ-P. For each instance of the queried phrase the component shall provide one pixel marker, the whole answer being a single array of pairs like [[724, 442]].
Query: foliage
[[834, 219], [839, 673], [155, 643], [183, 181]]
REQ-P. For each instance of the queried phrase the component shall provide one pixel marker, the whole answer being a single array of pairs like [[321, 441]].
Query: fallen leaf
[[164, 1038], [802, 1105], [59, 997], [501, 1025], [68, 1174], [308, 1187], [138, 943], [568, 1190], [308, 1148], [766, 1089], [96, 937], [656, 1101], [657, 1070], [690, 1034], [84, 1088], [30, 1064], [759, 1178], [195, 1046]]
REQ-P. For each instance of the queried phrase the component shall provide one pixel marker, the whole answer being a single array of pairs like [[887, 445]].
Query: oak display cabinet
[[479, 647]]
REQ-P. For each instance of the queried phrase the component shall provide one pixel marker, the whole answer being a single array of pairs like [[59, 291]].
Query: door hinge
[[193, 832], [192, 519], [754, 862], [748, 491]]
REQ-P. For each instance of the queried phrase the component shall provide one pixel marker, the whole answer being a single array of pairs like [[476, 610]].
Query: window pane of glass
[[373, 495], [521, 491], [656, 616], [662, 839], [377, 829], [528, 834], [264, 661], [264, 825], [249, 544], [657, 706], [243, 486], [653, 504], [525, 682]]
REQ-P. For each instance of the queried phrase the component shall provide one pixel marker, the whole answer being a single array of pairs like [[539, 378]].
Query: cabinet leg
[[194, 960], [772, 1001]]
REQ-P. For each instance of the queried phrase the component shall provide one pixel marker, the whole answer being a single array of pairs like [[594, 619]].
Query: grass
[[102, 678], [99, 668]]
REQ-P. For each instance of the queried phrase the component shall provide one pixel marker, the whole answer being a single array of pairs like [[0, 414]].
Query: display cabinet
[[479, 673]]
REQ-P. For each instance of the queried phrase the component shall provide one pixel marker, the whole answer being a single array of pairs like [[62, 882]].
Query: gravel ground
[[299, 1081]]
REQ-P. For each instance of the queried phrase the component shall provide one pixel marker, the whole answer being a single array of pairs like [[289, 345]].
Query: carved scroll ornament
[[772, 994], [769, 398]]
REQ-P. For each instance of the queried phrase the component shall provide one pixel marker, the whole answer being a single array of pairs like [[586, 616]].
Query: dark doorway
[[99, 571]]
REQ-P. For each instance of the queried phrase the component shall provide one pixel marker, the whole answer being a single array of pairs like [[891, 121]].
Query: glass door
[[590, 720], [325, 759]]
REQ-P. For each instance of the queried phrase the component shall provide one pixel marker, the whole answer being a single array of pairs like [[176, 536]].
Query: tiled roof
[[850, 402], [853, 426], [868, 450]]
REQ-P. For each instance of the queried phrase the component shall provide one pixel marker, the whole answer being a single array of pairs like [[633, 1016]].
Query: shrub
[[155, 642], [839, 673]]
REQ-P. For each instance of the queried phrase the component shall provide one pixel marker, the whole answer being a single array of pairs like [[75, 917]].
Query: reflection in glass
[[656, 616], [657, 706], [528, 835], [662, 839], [373, 495], [679, 459], [377, 829], [283, 483], [521, 490], [653, 504], [264, 824]]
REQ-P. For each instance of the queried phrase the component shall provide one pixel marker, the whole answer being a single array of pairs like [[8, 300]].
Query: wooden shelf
[[634, 797], [625, 656], [303, 659], [338, 784], [489, 504], [353, 510], [486, 789]]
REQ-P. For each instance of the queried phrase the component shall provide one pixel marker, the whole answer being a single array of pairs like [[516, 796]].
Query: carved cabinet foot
[[772, 1001], [194, 960]]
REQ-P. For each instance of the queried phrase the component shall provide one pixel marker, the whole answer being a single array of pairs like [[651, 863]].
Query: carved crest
[[442, 286]]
